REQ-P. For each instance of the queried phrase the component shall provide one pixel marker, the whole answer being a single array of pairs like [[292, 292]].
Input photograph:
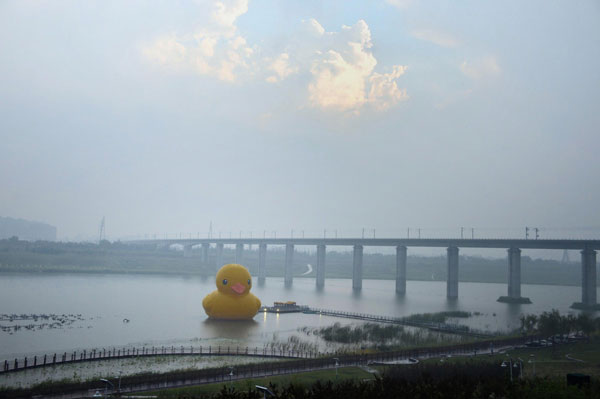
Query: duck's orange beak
[[238, 288]]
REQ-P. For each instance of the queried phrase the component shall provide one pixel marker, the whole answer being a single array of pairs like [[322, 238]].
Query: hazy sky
[[272, 115]]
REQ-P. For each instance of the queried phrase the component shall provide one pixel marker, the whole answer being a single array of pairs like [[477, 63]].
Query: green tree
[[585, 324], [549, 323]]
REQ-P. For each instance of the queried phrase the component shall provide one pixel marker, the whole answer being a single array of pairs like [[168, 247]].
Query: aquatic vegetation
[[439, 317], [38, 322], [293, 344], [382, 337]]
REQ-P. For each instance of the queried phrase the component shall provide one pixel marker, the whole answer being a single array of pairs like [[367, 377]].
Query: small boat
[[284, 307]]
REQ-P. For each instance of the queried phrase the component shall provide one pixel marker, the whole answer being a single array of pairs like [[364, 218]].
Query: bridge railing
[[29, 362]]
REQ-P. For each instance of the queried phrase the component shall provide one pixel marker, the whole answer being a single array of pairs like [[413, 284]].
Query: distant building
[[26, 230]]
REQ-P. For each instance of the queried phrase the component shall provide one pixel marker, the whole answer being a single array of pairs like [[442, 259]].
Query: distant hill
[[26, 230]]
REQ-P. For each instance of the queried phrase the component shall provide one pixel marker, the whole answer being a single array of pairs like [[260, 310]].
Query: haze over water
[[166, 310]]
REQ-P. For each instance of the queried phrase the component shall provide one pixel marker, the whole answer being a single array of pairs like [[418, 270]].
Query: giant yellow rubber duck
[[232, 300]]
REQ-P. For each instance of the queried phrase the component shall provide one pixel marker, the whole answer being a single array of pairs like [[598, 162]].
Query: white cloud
[[225, 13], [436, 37], [215, 48], [167, 51], [314, 27], [281, 68], [384, 91], [399, 3], [339, 66], [343, 77], [481, 68]]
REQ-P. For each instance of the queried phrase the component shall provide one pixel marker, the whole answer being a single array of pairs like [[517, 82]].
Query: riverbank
[[468, 361], [544, 369]]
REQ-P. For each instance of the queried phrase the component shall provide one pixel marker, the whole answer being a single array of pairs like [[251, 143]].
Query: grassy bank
[[464, 377], [471, 373], [556, 361], [299, 379], [476, 375]]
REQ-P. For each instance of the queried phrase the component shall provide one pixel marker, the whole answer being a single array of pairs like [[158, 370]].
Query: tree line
[[552, 323]]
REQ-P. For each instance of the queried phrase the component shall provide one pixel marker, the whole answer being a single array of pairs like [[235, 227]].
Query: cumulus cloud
[[281, 68], [215, 48], [337, 68], [343, 76], [167, 51], [225, 13], [436, 37], [481, 68], [384, 91], [313, 27]]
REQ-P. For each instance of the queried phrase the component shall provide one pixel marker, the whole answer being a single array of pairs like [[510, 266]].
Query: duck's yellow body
[[232, 300]]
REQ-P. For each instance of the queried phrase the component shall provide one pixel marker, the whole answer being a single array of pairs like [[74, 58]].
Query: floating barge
[[284, 307]]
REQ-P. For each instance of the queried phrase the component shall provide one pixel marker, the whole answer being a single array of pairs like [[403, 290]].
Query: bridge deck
[[391, 242]]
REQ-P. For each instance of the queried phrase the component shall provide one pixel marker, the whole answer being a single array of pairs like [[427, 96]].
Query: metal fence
[[104, 354]]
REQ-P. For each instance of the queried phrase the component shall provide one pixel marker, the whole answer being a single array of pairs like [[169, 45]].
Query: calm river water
[[167, 310]]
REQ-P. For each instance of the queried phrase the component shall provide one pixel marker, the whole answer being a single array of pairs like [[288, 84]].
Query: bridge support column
[[205, 249], [401, 269], [219, 256], [321, 250], [514, 278], [588, 281], [452, 281], [187, 251], [289, 261], [262, 263], [357, 267], [239, 253]]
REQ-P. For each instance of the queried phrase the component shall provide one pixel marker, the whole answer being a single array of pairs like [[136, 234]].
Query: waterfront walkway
[[224, 375]]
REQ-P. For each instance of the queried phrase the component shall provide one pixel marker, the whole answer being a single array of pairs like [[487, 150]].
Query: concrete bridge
[[587, 247]]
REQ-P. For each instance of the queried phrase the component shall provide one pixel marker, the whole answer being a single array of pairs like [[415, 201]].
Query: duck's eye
[[249, 282], [224, 281]]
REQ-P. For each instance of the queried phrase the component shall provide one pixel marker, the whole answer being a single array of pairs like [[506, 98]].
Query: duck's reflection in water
[[232, 329]]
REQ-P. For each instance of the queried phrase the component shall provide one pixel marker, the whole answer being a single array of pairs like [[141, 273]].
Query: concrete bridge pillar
[[321, 250], [588, 281], [219, 256], [205, 249], [239, 253], [514, 278], [187, 251], [262, 262], [401, 269], [514, 272], [289, 261], [452, 281], [357, 267]]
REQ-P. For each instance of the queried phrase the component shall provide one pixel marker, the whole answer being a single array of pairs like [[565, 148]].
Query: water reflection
[[400, 299], [514, 310], [231, 329], [452, 304]]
